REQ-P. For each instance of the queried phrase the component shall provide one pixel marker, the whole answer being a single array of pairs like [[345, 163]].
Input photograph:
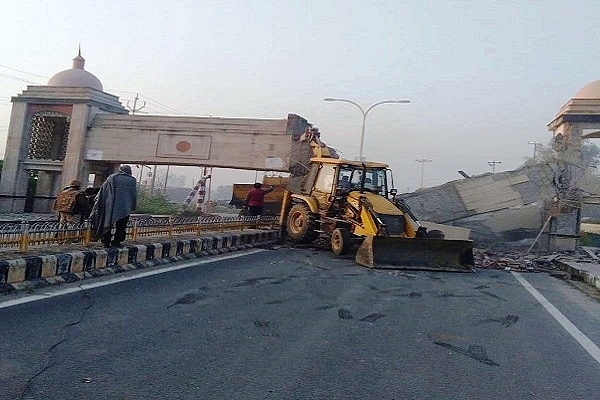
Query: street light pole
[[493, 165], [423, 161], [364, 115], [535, 146]]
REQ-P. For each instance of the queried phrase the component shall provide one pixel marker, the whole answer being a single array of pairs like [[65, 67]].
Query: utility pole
[[493, 165], [423, 161], [535, 146], [209, 185], [134, 109], [166, 179], [153, 180]]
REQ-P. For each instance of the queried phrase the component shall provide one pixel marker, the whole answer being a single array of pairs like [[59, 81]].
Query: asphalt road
[[301, 324]]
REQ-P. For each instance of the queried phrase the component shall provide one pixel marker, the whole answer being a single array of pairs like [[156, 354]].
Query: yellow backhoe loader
[[353, 203]]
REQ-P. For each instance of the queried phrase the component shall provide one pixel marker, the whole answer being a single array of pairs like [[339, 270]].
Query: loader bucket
[[416, 253]]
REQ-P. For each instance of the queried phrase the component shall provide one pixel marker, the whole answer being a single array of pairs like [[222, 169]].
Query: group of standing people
[[105, 207], [110, 205]]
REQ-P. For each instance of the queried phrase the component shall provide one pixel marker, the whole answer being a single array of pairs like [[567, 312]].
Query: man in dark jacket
[[114, 202]]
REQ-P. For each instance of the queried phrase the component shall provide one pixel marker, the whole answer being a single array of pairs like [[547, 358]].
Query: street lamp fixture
[[493, 165], [364, 115]]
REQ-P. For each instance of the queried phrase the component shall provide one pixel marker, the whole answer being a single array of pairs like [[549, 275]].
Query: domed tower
[[577, 120], [76, 76], [46, 137]]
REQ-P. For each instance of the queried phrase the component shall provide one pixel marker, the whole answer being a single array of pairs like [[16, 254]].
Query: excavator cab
[[361, 178]]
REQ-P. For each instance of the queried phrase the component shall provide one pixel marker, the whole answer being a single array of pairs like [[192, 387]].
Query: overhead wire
[[24, 72], [164, 106], [17, 78], [151, 101], [444, 155], [158, 104]]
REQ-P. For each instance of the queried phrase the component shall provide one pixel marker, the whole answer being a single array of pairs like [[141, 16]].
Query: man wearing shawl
[[114, 202]]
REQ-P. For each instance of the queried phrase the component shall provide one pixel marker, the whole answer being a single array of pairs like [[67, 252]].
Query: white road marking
[[58, 291], [583, 340]]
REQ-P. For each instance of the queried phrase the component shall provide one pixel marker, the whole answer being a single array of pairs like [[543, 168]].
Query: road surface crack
[[63, 338]]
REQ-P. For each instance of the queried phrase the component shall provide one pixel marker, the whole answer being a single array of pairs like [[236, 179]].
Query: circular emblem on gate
[[183, 146]]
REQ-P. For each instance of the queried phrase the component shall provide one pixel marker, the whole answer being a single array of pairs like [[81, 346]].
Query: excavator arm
[[318, 148]]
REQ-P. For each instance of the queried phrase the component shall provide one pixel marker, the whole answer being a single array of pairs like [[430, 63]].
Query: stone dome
[[76, 76], [590, 91]]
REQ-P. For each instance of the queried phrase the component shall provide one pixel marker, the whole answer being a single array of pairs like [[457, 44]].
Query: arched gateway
[[71, 128]]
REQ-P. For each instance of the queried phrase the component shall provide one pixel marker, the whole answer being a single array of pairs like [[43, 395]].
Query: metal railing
[[25, 235]]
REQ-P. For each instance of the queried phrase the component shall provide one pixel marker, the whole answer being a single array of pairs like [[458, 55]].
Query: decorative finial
[[79, 61]]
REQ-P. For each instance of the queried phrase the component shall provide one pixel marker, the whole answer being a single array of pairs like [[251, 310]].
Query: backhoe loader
[[352, 202]]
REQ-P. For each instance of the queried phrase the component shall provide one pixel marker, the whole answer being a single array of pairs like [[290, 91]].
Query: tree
[[545, 154], [590, 153], [223, 192], [154, 203], [173, 180]]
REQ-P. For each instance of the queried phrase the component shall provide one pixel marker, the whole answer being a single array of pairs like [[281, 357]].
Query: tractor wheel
[[340, 241], [301, 224]]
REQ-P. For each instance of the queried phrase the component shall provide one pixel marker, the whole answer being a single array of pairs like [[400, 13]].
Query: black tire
[[340, 241], [301, 224], [282, 234]]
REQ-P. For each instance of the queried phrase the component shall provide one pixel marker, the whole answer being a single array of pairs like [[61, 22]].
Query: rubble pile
[[523, 262], [513, 261]]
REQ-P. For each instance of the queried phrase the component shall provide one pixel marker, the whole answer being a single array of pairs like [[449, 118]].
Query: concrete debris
[[539, 203], [511, 261], [581, 255], [591, 251], [521, 262]]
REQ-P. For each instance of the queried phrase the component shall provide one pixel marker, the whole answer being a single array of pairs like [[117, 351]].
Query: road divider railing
[[35, 271], [26, 235]]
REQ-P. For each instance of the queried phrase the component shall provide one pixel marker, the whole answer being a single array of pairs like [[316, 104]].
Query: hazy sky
[[483, 77]]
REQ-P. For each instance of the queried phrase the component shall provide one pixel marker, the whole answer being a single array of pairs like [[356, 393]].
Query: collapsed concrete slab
[[508, 206], [545, 201]]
